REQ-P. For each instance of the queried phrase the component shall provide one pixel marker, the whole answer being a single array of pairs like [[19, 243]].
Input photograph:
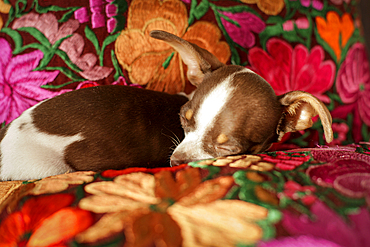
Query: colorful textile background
[[307, 197], [51, 47]]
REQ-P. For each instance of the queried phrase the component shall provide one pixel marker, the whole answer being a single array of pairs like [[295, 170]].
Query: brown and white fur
[[98, 128], [234, 110]]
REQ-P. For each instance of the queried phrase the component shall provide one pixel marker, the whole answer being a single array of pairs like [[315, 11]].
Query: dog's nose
[[177, 160]]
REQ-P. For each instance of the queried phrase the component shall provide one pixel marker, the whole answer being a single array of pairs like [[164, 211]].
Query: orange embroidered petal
[[4, 7], [330, 30], [11, 230], [61, 182], [37, 209], [206, 35], [347, 28], [107, 226], [186, 181], [109, 203], [270, 7], [141, 12], [61, 226], [144, 57], [211, 225], [154, 229], [335, 28], [208, 191]]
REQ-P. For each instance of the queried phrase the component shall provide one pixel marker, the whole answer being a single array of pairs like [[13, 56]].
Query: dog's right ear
[[298, 109], [199, 61]]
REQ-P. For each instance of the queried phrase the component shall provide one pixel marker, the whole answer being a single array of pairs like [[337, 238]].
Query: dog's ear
[[298, 110], [199, 61]]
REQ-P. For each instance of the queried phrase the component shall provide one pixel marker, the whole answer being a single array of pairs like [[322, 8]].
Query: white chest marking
[[27, 153]]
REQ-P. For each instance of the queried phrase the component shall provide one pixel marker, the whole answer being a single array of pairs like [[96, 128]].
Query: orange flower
[[4, 8], [335, 29], [270, 7], [174, 211], [48, 218], [152, 62]]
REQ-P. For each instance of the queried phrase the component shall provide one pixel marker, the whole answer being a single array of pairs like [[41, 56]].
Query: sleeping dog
[[232, 111]]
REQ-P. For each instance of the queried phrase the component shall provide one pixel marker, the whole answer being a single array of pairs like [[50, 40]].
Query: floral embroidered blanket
[[314, 197], [311, 196]]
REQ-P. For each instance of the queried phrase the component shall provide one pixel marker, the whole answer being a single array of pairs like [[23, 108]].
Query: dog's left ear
[[298, 110], [199, 61]]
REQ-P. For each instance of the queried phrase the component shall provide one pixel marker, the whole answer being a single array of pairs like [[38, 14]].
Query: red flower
[[288, 69], [49, 219], [295, 191], [286, 161]]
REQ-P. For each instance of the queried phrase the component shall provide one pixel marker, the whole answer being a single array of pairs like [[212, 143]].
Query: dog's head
[[234, 110]]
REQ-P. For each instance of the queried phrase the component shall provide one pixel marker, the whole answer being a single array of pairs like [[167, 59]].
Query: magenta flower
[[112, 10], [288, 69], [19, 85], [353, 81], [248, 23], [330, 226]]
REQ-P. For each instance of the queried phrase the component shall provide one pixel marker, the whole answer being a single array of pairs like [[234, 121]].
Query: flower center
[[362, 87], [7, 90]]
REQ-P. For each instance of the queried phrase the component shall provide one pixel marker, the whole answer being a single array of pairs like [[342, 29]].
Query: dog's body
[[232, 111], [98, 128]]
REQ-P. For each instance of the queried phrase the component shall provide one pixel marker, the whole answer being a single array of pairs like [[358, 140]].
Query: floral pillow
[[52, 47]]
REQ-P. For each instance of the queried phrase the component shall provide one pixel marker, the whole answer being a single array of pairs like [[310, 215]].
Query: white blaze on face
[[192, 145]]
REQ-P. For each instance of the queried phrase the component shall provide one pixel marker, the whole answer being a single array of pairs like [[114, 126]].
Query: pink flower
[[73, 46], [19, 85], [248, 23], [353, 81], [317, 4], [302, 23], [288, 69]]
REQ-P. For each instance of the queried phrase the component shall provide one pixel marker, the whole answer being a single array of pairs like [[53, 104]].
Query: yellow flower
[[4, 8]]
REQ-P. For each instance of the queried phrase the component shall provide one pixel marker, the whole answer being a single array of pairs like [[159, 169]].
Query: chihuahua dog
[[97, 128], [234, 110]]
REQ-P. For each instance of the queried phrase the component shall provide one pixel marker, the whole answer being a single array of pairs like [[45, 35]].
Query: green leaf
[[106, 42], [122, 6], [68, 15], [116, 66], [168, 60], [201, 9], [90, 35], [270, 31], [39, 36], [67, 72], [17, 38], [11, 16], [58, 86], [67, 60]]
